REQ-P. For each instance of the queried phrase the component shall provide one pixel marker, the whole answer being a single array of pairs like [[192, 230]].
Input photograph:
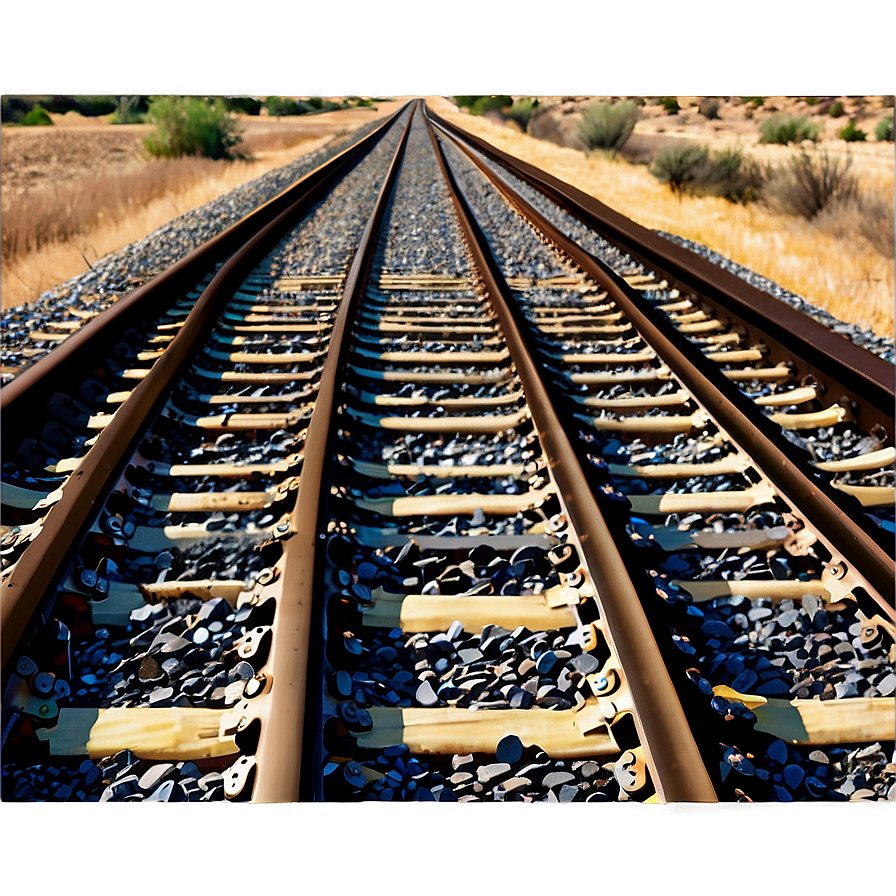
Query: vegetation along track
[[448, 495]]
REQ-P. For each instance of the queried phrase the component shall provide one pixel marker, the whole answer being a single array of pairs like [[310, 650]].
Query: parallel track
[[469, 507]]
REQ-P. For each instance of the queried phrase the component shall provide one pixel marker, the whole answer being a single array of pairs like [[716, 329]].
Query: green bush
[[13, 109], [852, 134], [281, 105], [315, 102], [464, 102], [94, 106], [128, 111], [809, 183], [884, 129], [709, 107], [521, 111], [679, 166], [812, 100], [608, 125], [192, 126], [784, 129], [38, 116], [670, 105], [364, 102], [246, 105], [728, 175], [755, 101], [836, 109], [484, 104]]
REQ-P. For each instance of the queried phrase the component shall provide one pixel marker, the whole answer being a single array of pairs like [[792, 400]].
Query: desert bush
[[884, 129], [709, 107], [192, 126], [784, 129], [812, 100], [871, 217], [364, 102], [94, 106], [754, 101], [608, 125], [128, 111], [280, 105], [315, 102], [247, 105], [809, 183], [521, 111], [483, 104], [13, 109], [670, 105], [678, 166], [836, 109], [851, 134], [37, 117], [729, 175]]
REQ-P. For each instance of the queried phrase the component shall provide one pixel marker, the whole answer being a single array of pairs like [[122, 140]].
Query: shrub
[[786, 129], [364, 102], [484, 104], [38, 116], [94, 106], [670, 105], [869, 216], [315, 102], [521, 111], [836, 109], [709, 107], [755, 101], [884, 129], [280, 105], [678, 166], [728, 175], [809, 183], [608, 125], [128, 111], [247, 105], [812, 100], [191, 126], [852, 134], [14, 109]]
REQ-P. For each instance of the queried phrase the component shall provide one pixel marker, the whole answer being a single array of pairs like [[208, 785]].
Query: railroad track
[[440, 493]]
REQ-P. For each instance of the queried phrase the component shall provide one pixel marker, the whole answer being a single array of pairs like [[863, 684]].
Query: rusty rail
[[834, 356], [782, 462], [678, 769], [43, 562], [279, 753]]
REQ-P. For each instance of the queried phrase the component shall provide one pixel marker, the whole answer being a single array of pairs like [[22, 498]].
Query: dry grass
[[56, 232], [839, 271]]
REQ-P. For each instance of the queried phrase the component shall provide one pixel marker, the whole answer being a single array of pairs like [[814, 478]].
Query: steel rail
[[784, 463], [74, 358], [678, 769], [866, 375], [278, 757], [44, 560]]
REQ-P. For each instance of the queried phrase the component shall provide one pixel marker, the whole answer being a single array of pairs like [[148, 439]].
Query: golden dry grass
[[841, 273], [53, 234]]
